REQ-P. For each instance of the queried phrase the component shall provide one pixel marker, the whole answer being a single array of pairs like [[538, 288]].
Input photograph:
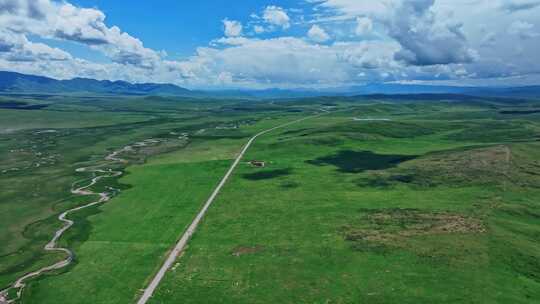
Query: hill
[[11, 82]]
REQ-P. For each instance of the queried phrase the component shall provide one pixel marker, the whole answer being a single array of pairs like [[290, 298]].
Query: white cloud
[[318, 34], [364, 26], [513, 6], [351, 9], [276, 61], [367, 56], [232, 28], [64, 21], [230, 41], [384, 40], [489, 40], [17, 48], [523, 29], [277, 16], [425, 39], [258, 29], [294, 62], [481, 35]]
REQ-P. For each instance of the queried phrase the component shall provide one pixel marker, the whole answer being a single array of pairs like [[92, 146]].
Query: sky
[[256, 44]]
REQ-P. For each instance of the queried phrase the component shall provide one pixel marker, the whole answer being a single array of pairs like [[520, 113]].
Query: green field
[[377, 201], [412, 210], [40, 156]]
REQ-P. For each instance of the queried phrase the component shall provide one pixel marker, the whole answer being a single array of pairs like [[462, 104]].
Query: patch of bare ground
[[377, 229], [478, 166], [244, 250], [496, 165]]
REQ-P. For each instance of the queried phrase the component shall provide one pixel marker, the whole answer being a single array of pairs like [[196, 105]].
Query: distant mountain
[[408, 89], [268, 93], [11, 82], [398, 89], [517, 92], [385, 89]]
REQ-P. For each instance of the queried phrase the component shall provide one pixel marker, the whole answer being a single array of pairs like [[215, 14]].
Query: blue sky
[[179, 27], [287, 44]]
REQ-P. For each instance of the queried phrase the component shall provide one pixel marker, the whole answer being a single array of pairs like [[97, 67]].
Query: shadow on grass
[[17, 105], [262, 175], [289, 185], [355, 162]]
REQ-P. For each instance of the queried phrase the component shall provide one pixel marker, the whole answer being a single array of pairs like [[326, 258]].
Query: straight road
[[181, 245]]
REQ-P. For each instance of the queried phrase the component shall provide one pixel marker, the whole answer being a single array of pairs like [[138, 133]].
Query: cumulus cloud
[[279, 61], [80, 25], [369, 55], [32, 9], [232, 28], [8, 41], [230, 41], [426, 40], [258, 29], [275, 15], [513, 6], [364, 26], [523, 29], [425, 37], [35, 52], [488, 40], [16, 47], [318, 34], [64, 21], [295, 62], [439, 35], [351, 9], [372, 41]]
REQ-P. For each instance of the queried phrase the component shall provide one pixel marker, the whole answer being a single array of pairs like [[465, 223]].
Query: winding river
[[103, 197]]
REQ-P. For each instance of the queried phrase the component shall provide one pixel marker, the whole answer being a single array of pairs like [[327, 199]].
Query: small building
[[257, 163]]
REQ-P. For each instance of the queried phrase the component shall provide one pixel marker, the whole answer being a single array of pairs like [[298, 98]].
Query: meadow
[[436, 204], [42, 147], [379, 200]]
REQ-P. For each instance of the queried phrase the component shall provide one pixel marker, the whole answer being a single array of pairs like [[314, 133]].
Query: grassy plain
[[436, 204], [132, 233], [39, 167]]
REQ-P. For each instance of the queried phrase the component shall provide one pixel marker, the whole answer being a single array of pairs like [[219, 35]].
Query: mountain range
[[11, 82], [16, 83]]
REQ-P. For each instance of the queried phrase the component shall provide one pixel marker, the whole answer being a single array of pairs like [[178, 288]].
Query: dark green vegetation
[[437, 204], [355, 162], [267, 174]]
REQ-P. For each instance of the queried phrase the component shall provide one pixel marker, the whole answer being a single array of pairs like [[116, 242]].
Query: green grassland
[[41, 149], [143, 222], [435, 204], [438, 205]]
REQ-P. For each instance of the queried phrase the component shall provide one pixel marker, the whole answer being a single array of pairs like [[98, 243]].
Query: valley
[[370, 200]]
